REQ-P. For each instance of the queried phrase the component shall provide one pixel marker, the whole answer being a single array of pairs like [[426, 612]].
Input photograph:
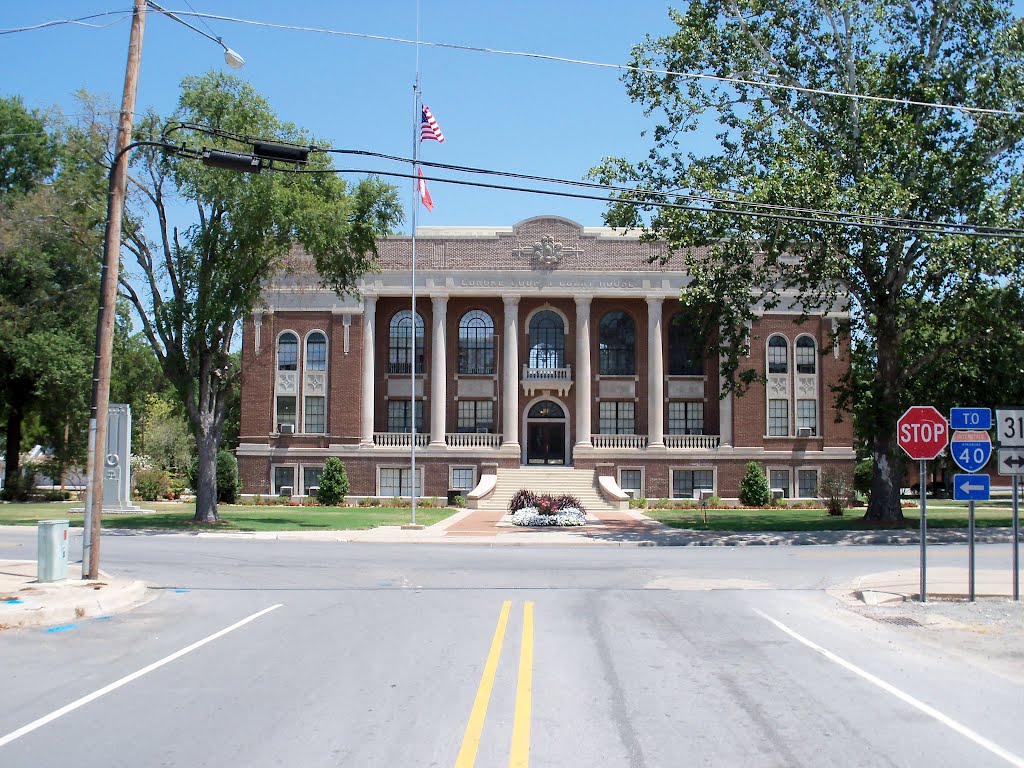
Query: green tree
[[51, 214], [822, 152], [754, 490], [333, 483], [194, 285]]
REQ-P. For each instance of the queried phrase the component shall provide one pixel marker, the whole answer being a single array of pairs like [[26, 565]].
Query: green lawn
[[240, 517], [819, 519]]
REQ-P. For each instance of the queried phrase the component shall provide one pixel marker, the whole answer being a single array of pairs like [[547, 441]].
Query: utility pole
[[108, 301]]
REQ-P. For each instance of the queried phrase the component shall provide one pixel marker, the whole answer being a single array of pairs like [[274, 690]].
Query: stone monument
[[117, 468]]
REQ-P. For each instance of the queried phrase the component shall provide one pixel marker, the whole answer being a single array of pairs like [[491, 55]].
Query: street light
[[97, 459]]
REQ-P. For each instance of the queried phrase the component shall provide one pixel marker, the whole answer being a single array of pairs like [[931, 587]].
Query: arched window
[[778, 355], [288, 352], [476, 343], [618, 344], [314, 418], [316, 352], [806, 355], [545, 409], [547, 340], [685, 356], [400, 343]]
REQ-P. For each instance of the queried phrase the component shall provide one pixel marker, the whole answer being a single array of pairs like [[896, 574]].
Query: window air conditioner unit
[[286, 429], [804, 432], [284, 490], [313, 490], [483, 430], [778, 493]]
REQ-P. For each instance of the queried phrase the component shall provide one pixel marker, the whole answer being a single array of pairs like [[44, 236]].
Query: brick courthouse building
[[544, 344]]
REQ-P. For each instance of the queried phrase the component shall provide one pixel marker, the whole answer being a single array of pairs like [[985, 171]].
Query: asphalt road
[[285, 653]]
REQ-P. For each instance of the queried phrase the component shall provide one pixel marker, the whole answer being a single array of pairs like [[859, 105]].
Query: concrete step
[[555, 481]]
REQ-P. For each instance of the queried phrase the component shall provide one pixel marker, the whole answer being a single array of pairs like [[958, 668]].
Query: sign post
[[970, 488], [922, 433], [1010, 428]]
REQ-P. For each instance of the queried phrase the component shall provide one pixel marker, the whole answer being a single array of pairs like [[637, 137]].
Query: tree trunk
[[12, 456], [884, 502], [206, 479]]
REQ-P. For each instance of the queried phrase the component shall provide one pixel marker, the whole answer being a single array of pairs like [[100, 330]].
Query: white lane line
[[963, 730], [128, 678]]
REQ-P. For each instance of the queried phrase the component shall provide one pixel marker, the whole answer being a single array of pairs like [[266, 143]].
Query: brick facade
[[548, 264]]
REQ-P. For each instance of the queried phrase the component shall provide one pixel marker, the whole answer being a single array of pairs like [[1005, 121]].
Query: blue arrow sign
[[970, 450], [971, 487], [970, 418]]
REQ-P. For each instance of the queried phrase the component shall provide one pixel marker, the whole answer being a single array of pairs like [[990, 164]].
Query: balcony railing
[[399, 439], [692, 441], [547, 374], [473, 440], [619, 441], [535, 379]]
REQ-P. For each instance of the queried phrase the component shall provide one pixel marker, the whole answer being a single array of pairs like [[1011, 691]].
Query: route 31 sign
[[970, 450]]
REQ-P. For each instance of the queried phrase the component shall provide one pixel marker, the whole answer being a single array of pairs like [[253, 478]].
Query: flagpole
[[415, 212]]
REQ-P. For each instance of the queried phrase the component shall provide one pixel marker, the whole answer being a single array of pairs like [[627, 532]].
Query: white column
[[510, 380], [583, 394], [655, 376], [438, 371], [369, 322]]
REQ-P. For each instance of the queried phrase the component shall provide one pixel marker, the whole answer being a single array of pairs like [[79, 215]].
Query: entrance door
[[545, 444]]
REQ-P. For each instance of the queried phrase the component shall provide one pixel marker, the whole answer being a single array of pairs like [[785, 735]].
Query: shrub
[[56, 495], [333, 483], [637, 503], [862, 475], [522, 498], [151, 484], [22, 485], [369, 501], [568, 500], [229, 485], [460, 501], [714, 501], [754, 490], [834, 491]]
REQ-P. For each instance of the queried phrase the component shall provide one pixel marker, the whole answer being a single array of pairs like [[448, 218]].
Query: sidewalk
[[26, 603]]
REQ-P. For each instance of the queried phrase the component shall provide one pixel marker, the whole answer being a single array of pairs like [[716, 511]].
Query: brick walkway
[[619, 524]]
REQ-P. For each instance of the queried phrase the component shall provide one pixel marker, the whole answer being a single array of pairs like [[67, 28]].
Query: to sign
[[970, 450], [922, 432], [970, 418], [1011, 428], [971, 487]]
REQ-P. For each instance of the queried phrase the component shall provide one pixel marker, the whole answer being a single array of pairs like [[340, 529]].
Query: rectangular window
[[397, 481], [807, 415], [311, 478], [686, 418], [686, 481], [398, 416], [463, 478], [284, 477], [807, 479], [617, 417], [778, 417], [476, 416], [316, 416], [631, 481], [286, 410], [778, 479]]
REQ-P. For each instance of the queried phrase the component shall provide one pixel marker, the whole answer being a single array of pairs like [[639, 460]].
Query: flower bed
[[528, 508]]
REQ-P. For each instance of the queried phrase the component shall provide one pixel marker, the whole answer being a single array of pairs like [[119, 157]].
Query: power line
[[620, 67], [81, 21]]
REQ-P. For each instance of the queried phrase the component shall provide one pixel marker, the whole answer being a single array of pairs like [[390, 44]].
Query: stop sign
[[922, 432]]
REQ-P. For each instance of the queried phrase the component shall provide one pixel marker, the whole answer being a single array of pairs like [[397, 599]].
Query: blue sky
[[501, 112]]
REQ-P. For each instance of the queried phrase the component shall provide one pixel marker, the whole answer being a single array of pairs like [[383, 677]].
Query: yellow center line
[[520, 756], [475, 726]]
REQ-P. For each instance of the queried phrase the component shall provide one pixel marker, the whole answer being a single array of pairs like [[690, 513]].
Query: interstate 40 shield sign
[[970, 449]]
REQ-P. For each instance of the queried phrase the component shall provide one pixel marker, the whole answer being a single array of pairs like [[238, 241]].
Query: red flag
[[429, 129], [424, 194]]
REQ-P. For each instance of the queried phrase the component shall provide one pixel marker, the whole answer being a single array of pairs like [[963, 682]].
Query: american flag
[[429, 129], [424, 194]]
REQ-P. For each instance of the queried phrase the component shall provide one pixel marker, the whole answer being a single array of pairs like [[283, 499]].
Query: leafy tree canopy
[[192, 285], [805, 149]]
